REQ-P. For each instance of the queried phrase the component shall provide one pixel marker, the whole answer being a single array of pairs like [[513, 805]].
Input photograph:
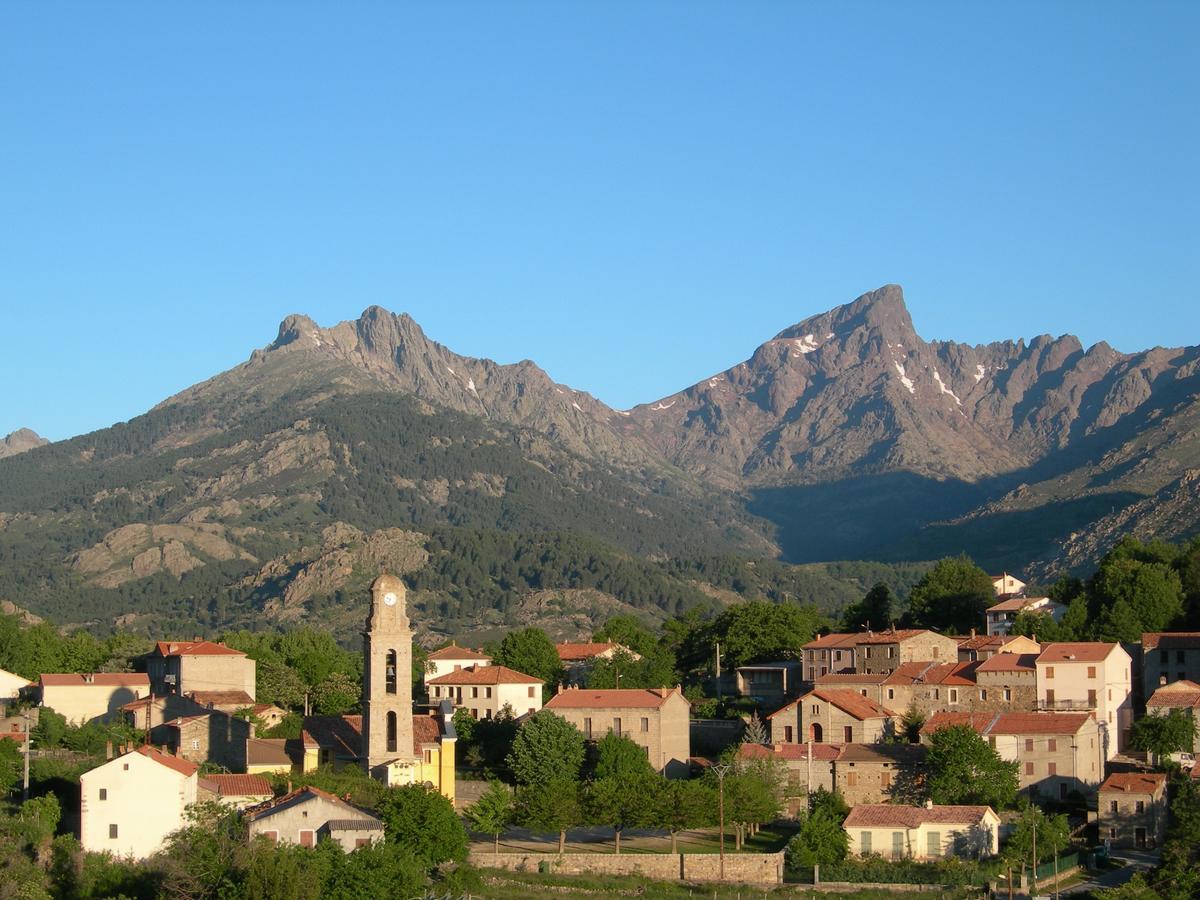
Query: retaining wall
[[750, 868]]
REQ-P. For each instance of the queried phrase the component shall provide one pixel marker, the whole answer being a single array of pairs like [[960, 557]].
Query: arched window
[[391, 732], [817, 733], [389, 672]]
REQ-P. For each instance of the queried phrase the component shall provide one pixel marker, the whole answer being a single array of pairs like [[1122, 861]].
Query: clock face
[[389, 599]]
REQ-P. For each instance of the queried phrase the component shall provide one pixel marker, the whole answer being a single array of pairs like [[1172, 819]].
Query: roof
[[98, 679], [623, 698], [344, 733], [834, 641], [894, 636], [980, 641], [194, 648], [882, 753], [1009, 723], [823, 752], [221, 698], [1090, 651], [485, 675], [1171, 640], [1009, 662], [456, 652], [307, 794], [354, 825], [1176, 695], [1018, 604], [237, 785], [889, 815], [577, 652], [957, 673], [852, 678], [771, 666], [851, 702], [1135, 782], [182, 766], [273, 751]]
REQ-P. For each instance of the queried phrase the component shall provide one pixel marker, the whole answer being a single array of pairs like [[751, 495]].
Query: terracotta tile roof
[[909, 672], [220, 698], [1176, 695], [579, 652], [1016, 604], [1171, 640], [426, 730], [194, 648], [978, 721], [306, 795], [897, 754], [962, 673], [624, 698], [851, 702], [1091, 651], [1135, 782], [1009, 723], [98, 679], [837, 641], [485, 675], [1009, 662], [455, 652], [237, 785], [979, 641], [343, 734], [883, 815], [182, 766], [822, 752], [892, 637]]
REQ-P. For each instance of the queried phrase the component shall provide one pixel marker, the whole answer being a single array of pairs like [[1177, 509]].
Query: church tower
[[387, 723]]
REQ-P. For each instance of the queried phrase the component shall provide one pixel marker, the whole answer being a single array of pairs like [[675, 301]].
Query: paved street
[[1139, 861]]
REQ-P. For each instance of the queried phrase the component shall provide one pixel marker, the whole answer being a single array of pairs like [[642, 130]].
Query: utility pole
[[722, 769], [719, 698], [1035, 856], [28, 740]]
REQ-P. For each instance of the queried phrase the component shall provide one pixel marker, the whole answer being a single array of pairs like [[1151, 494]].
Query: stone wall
[[749, 868]]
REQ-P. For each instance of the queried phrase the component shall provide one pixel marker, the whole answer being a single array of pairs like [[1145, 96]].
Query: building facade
[[1168, 657], [1132, 809], [129, 805], [309, 815], [453, 659], [884, 651], [923, 832], [181, 667], [91, 697], [1093, 677], [486, 690], [832, 716]]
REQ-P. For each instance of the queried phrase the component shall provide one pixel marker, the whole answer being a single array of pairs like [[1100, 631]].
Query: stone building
[[1132, 809], [1178, 695], [655, 718], [1006, 682], [308, 815], [804, 774], [486, 690], [211, 737], [923, 832], [884, 651], [182, 667], [1169, 657], [878, 773], [978, 647], [832, 716], [827, 655]]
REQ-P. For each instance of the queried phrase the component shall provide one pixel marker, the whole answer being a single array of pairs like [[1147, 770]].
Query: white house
[[1089, 676], [923, 832], [1000, 617], [10, 685], [453, 659], [486, 690]]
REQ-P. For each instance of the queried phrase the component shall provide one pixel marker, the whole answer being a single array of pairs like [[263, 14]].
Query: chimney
[[972, 632], [289, 786], [929, 804], [108, 750]]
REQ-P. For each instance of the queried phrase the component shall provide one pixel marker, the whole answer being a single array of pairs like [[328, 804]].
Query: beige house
[[1007, 586], [182, 667], [1132, 809], [486, 690], [211, 737], [1000, 617], [884, 651], [873, 773], [1056, 753], [1091, 677], [90, 697], [880, 687], [11, 685], [129, 805], [923, 832], [804, 774], [654, 718], [832, 716], [308, 815], [278, 756], [238, 791], [1168, 657], [978, 647], [829, 654], [452, 659], [1181, 695]]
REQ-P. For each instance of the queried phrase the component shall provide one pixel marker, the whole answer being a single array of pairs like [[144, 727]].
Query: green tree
[[336, 695], [547, 748], [531, 651], [464, 726], [11, 766], [912, 723], [1162, 735], [679, 805], [50, 729], [756, 732], [622, 669], [952, 597], [629, 632], [757, 630], [821, 839], [1053, 836], [424, 821], [493, 811], [963, 769], [617, 756], [550, 806], [876, 610], [1137, 590], [621, 801], [276, 683]]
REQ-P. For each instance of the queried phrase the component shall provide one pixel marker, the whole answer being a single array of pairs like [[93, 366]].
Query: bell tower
[[387, 729]]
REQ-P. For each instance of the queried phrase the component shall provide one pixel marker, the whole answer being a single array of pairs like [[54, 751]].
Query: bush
[[877, 870]]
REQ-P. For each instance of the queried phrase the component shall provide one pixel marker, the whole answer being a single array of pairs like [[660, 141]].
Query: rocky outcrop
[[20, 441], [140, 550]]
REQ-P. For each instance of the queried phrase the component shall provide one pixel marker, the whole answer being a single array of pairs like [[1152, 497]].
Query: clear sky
[[632, 194]]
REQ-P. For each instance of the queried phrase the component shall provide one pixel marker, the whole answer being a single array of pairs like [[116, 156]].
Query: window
[[1091, 671], [307, 838], [361, 842], [103, 793], [1028, 768], [437, 692], [487, 692], [532, 688], [937, 693], [474, 714], [1139, 807], [848, 734], [1049, 671], [112, 832], [885, 779], [1112, 806], [852, 779], [1053, 745], [933, 846], [935, 653], [983, 695], [1049, 698], [272, 836], [1179, 657], [812, 673], [389, 671], [863, 692], [897, 845], [428, 756], [645, 724], [953, 698], [816, 709], [891, 652], [391, 732], [1007, 694], [126, 767], [992, 741], [1112, 833], [1028, 745], [616, 724], [787, 734], [891, 693], [474, 692], [864, 842], [1162, 656], [1051, 768]]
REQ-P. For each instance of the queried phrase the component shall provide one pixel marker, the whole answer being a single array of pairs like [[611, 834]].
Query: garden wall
[[750, 868]]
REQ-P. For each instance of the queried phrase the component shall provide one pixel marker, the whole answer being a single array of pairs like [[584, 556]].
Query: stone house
[[656, 719], [1056, 753], [1089, 676], [941, 686], [923, 832], [1006, 682], [308, 815], [978, 647], [91, 697], [827, 655], [181, 667], [880, 687], [884, 651], [486, 690], [832, 716], [153, 713], [238, 791], [452, 659], [1169, 657], [878, 773], [999, 618], [1181, 695], [211, 737], [1132, 809], [804, 774], [129, 805], [222, 701]]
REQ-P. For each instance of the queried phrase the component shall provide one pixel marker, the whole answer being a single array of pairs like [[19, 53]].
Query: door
[[817, 734], [1139, 837]]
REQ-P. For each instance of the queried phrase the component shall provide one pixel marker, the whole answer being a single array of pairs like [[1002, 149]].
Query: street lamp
[[721, 770]]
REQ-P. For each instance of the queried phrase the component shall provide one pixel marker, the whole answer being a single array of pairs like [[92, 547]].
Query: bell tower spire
[[387, 730]]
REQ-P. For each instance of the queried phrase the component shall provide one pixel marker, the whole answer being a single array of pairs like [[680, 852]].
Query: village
[[895, 748]]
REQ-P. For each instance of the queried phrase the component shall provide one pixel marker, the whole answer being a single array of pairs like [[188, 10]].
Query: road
[[1138, 861]]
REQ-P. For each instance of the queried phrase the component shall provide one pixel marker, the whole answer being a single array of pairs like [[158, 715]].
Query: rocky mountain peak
[[19, 441], [292, 329]]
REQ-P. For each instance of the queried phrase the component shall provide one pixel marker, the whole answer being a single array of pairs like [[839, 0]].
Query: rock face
[[19, 441]]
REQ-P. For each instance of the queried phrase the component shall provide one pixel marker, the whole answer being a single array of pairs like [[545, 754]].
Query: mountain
[[273, 488], [19, 441]]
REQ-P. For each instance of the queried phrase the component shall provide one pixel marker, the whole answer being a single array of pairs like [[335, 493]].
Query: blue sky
[[634, 195]]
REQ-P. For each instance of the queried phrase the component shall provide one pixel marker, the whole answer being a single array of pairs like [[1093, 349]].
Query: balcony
[[1067, 705]]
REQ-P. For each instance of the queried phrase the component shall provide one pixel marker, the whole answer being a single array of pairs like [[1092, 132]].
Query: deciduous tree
[[424, 821], [963, 769], [492, 812], [547, 748], [951, 597]]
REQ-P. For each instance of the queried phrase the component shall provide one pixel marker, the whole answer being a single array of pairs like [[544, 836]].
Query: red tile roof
[[895, 754], [1016, 604], [1010, 662], [823, 752], [1176, 695], [182, 766], [1090, 651], [99, 679], [980, 641], [837, 640], [456, 652], [851, 702], [237, 785], [485, 675], [892, 637], [852, 678], [194, 648], [1135, 782], [885, 815], [304, 795], [624, 698], [1171, 640], [221, 698], [962, 673], [579, 652]]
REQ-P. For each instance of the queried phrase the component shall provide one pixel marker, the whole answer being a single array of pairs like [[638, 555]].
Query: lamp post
[[721, 770]]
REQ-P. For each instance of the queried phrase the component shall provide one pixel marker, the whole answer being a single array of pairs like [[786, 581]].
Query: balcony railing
[[1061, 705]]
